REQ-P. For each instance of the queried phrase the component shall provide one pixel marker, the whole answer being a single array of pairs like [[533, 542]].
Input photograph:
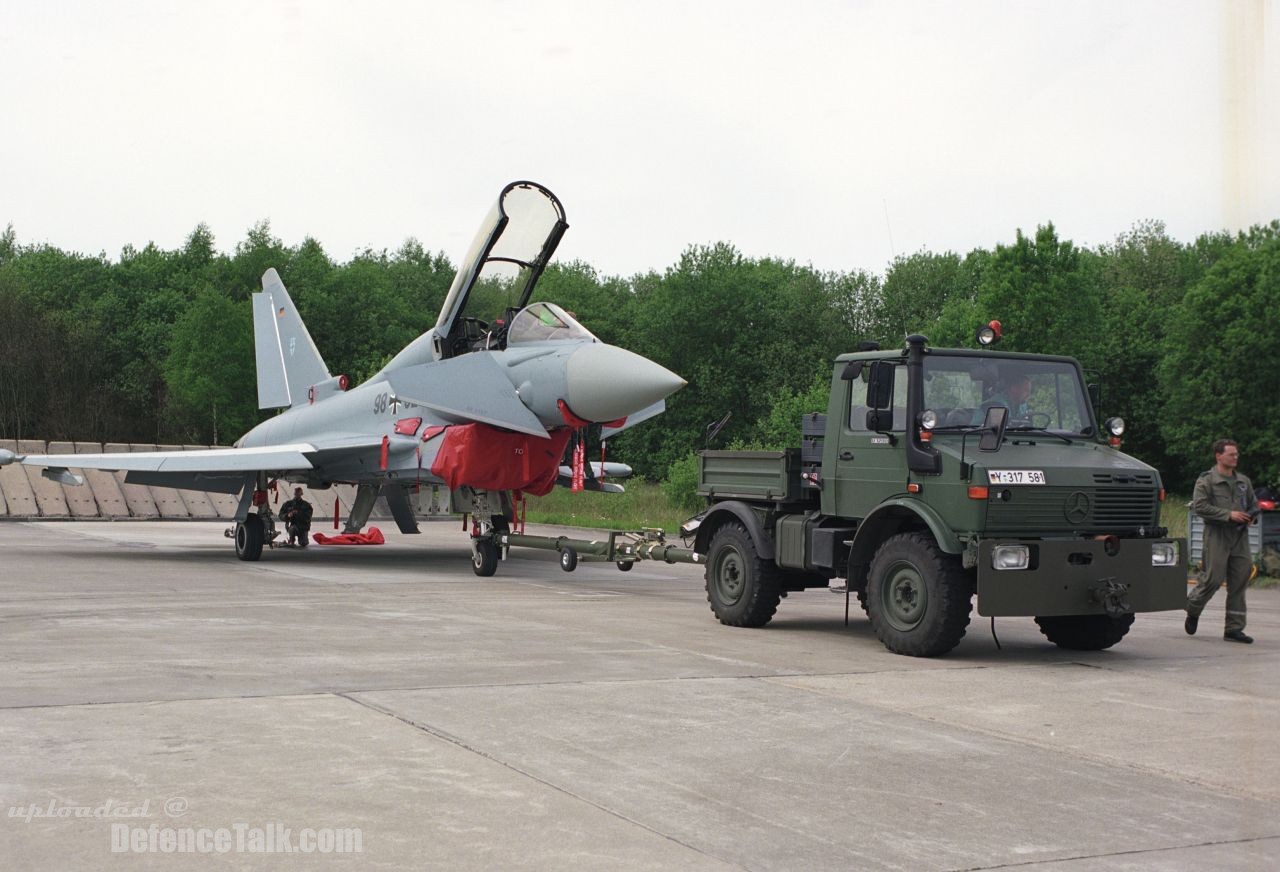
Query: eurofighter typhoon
[[484, 403]]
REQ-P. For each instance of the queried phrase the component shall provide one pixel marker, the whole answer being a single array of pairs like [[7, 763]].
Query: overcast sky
[[831, 133]]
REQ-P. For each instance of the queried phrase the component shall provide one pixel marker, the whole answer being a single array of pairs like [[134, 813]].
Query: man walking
[[1224, 499]]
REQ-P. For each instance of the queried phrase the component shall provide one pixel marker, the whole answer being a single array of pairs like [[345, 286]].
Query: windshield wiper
[[1065, 438]]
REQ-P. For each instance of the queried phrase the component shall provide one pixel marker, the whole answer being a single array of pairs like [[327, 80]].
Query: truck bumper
[[1081, 577]]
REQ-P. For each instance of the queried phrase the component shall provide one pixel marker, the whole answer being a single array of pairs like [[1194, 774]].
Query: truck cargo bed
[[755, 475]]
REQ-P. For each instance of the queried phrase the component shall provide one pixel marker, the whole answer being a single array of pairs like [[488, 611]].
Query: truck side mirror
[[993, 428], [852, 370], [873, 421], [1095, 394], [880, 386]]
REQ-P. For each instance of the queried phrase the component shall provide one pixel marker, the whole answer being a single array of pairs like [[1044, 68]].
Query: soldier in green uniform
[[296, 514], [1224, 499]]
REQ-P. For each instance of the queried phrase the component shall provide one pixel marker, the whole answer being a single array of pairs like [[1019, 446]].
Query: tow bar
[[621, 547]]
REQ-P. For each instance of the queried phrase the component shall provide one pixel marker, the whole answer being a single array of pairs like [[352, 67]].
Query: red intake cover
[[487, 458]]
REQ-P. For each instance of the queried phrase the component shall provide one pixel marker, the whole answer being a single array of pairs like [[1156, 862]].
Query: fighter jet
[[484, 403]]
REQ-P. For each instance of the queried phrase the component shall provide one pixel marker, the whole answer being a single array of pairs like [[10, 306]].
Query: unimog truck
[[938, 476]]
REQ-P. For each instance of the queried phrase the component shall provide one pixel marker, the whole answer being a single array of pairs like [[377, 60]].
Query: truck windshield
[[1039, 394]]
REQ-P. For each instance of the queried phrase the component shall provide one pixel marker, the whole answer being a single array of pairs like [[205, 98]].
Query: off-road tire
[[250, 536], [744, 590], [918, 597], [484, 562], [1085, 632]]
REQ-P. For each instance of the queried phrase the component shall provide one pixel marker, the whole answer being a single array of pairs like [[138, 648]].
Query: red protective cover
[[371, 537], [487, 458]]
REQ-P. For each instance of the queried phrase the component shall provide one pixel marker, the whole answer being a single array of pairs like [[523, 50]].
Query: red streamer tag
[[579, 468]]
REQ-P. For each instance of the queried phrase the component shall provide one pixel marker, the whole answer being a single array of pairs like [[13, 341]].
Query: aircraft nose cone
[[605, 383]]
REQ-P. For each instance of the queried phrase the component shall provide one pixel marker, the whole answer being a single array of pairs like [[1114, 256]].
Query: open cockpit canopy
[[505, 260]]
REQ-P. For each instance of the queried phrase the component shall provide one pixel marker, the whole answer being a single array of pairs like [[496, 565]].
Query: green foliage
[[738, 331], [1144, 275], [1042, 290], [209, 362], [681, 484], [1219, 371], [781, 428], [643, 505]]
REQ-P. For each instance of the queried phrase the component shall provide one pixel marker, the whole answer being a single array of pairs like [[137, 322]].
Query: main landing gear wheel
[[625, 565], [1085, 632], [484, 562], [918, 597], [568, 559], [249, 538], [743, 589]]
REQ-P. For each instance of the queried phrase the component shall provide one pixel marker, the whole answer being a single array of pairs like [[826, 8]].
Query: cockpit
[[545, 322]]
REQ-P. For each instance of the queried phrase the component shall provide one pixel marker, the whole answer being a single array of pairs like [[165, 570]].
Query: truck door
[[870, 464]]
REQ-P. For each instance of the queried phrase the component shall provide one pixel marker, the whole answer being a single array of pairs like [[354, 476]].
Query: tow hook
[[1113, 595]]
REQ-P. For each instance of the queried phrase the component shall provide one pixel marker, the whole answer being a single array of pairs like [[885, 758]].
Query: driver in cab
[[1012, 394]]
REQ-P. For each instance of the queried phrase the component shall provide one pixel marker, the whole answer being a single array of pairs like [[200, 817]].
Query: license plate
[[1015, 476]]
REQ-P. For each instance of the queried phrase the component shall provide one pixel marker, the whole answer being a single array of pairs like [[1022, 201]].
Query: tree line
[[157, 345]]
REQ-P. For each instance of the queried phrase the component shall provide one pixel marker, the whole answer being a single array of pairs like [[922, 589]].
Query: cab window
[[862, 401]]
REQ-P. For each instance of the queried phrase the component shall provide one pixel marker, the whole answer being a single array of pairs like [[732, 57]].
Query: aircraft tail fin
[[290, 367]]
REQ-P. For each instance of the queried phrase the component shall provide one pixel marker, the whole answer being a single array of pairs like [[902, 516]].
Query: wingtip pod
[[7, 457]]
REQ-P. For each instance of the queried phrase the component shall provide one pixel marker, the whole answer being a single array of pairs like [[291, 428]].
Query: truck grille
[[1034, 510]]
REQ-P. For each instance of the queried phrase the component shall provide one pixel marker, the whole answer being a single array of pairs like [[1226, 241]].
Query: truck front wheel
[[918, 597], [1085, 632], [744, 590]]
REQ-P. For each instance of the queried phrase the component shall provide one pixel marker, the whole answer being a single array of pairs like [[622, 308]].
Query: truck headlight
[[1011, 557], [1164, 553]]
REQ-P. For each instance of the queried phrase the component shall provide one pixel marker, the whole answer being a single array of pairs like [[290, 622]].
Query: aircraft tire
[[1085, 632], [249, 538], [485, 561], [625, 565]]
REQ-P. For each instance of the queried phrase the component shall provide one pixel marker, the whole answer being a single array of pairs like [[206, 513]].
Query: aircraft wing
[[206, 460], [220, 470]]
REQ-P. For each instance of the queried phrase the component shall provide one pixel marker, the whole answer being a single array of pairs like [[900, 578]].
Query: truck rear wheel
[[1085, 632], [744, 590], [918, 597]]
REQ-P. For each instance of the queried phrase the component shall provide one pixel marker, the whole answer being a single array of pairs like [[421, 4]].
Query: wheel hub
[[729, 577], [905, 597]]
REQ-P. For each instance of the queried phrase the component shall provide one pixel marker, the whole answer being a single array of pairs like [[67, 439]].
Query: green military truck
[[938, 474]]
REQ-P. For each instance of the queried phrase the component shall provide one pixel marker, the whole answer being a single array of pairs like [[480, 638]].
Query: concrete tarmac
[[593, 720]]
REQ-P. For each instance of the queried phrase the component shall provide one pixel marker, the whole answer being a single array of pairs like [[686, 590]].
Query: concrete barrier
[[19, 499], [196, 503], [79, 498], [223, 504], [136, 496], [168, 501], [106, 490], [25, 493], [48, 494]]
